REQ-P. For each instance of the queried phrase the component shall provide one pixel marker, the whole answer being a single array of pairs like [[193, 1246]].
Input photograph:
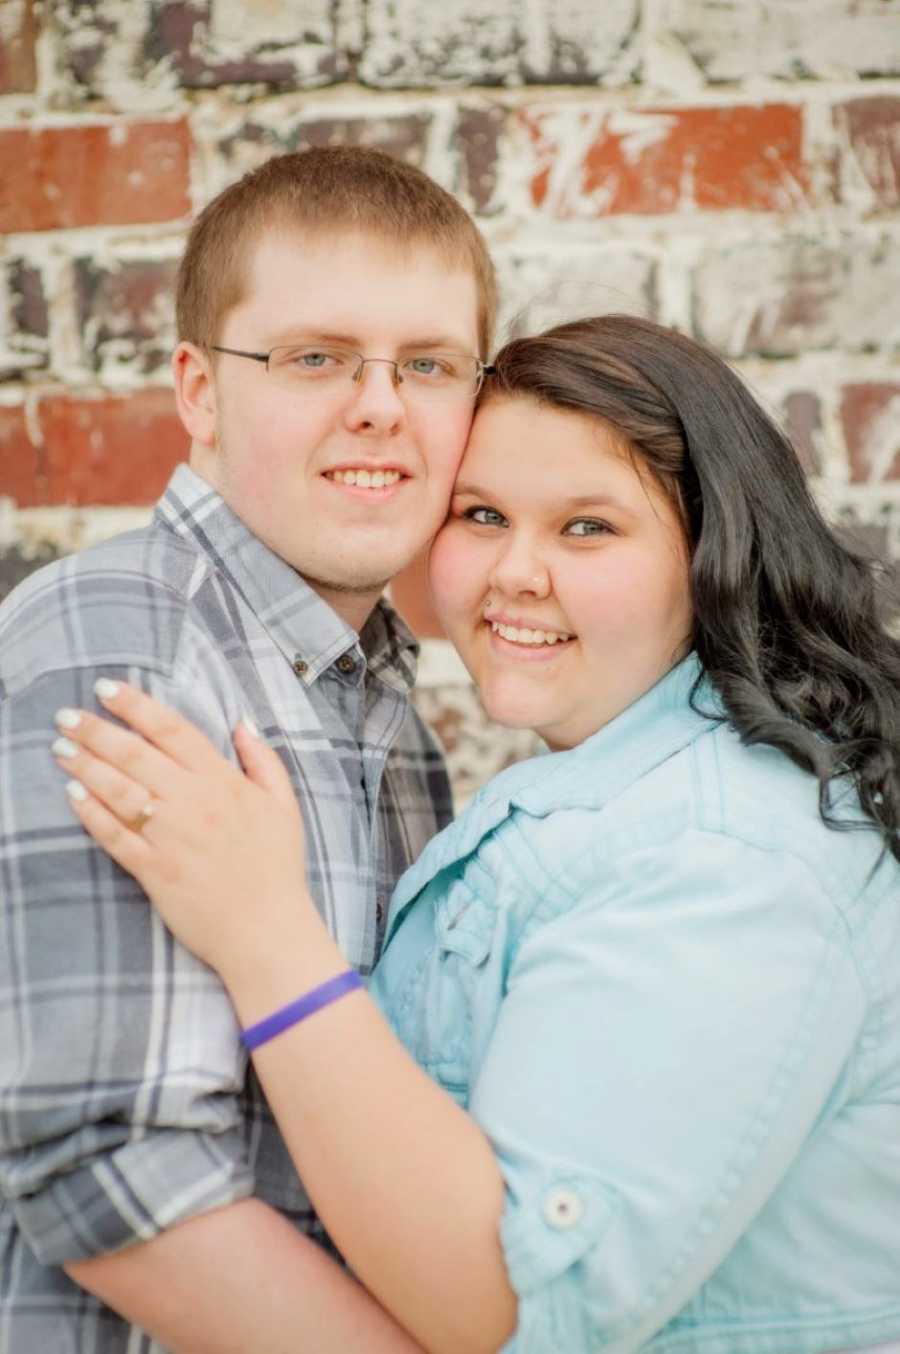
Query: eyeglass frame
[[482, 368]]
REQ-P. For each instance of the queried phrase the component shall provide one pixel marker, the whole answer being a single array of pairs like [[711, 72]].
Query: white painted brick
[[729, 40], [566, 282], [781, 297], [507, 42]]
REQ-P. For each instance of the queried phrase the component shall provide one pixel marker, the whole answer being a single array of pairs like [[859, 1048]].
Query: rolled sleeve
[[120, 1062], [663, 1050]]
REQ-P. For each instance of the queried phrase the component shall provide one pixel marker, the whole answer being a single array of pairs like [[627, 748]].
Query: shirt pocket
[[465, 927]]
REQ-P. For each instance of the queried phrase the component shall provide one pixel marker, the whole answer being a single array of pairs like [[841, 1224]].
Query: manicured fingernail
[[64, 747], [67, 719], [75, 790], [250, 726], [106, 689]]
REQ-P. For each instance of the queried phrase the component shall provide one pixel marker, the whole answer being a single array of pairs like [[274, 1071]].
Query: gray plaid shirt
[[126, 1104]]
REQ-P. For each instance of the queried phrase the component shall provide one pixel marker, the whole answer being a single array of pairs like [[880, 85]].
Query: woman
[[642, 1085]]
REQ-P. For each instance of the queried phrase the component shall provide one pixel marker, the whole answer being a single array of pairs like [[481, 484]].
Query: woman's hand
[[219, 852]]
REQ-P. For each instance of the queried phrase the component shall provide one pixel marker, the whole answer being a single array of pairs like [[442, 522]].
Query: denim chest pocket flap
[[464, 924]]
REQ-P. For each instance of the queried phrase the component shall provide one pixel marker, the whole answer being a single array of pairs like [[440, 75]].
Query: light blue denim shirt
[[671, 997]]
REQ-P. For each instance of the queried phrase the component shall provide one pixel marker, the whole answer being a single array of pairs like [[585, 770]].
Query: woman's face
[[561, 575]]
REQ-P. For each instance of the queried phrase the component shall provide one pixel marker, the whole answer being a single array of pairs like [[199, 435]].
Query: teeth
[[526, 636], [366, 479]]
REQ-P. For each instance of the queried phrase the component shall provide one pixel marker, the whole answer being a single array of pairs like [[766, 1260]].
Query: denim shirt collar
[[659, 724], [300, 622]]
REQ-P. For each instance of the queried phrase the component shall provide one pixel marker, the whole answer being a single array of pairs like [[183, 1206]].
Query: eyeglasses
[[435, 374]]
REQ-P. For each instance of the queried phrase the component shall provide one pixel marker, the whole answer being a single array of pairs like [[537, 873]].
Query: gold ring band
[[141, 819]]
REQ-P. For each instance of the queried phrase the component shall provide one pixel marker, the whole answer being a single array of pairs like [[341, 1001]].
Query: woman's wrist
[[277, 965]]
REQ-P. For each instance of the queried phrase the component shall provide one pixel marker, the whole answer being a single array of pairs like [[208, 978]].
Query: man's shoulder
[[121, 602]]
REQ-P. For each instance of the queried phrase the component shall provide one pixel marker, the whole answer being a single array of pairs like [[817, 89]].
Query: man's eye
[[587, 526], [427, 364], [485, 517], [311, 360], [314, 360]]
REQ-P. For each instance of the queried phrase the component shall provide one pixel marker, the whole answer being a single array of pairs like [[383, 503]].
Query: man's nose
[[374, 403]]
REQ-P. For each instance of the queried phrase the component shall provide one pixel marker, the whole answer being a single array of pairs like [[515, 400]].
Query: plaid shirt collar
[[301, 624]]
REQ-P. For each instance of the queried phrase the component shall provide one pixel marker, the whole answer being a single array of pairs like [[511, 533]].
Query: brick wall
[[729, 166]]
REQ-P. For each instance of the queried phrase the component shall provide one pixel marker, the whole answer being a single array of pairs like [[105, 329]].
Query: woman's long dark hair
[[788, 621]]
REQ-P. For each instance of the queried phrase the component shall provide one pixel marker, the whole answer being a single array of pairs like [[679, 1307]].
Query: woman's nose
[[520, 569]]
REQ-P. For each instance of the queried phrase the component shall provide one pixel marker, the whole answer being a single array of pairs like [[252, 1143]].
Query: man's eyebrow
[[300, 334], [563, 504]]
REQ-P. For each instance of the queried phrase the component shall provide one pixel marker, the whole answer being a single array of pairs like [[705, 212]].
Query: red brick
[[19, 464], [650, 161], [871, 133], [17, 63], [111, 450], [870, 414], [52, 178], [410, 595], [802, 413]]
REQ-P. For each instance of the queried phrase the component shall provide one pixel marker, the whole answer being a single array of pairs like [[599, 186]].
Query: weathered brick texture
[[465, 42], [90, 450], [660, 160], [114, 173], [125, 315], [871, 418], [18, 69], [785, 296], [732, 40], [730, 167]]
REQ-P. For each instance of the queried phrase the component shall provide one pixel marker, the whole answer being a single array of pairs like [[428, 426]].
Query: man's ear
[[195, 393]]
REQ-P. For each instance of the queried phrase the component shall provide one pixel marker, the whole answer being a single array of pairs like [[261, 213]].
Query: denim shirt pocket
[[464, 933]]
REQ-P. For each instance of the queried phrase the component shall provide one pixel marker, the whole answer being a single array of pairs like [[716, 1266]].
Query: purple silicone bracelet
[[298, 1010]]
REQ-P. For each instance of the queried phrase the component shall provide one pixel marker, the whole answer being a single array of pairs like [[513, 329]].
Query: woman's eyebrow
[[599, 500], [471, 490]]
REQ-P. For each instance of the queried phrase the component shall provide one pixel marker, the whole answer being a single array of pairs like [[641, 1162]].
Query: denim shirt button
[[562, 1208]]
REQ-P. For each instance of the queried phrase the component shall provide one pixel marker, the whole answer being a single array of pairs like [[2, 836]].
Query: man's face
[[278, 448]]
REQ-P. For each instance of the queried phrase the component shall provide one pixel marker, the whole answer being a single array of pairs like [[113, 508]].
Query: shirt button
[[346, 663], [300, 667], [562, 1208]]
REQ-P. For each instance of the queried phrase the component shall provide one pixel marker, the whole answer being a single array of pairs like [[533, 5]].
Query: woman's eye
[[485, 517], [587, 526]]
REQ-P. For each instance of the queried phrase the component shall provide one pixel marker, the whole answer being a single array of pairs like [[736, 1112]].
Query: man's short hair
[[321, 190]]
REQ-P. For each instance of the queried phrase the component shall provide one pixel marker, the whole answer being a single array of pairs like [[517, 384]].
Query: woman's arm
[[404, 1180]]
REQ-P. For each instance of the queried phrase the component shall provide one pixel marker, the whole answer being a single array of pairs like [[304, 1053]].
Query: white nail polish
[[250, 726], [64, 747], [75, 790], [67, 719], [106, 689]]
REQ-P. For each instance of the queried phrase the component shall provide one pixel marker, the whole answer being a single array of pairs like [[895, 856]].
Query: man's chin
[[348, 584]]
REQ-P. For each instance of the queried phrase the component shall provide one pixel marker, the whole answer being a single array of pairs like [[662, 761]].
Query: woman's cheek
[[451, 566]]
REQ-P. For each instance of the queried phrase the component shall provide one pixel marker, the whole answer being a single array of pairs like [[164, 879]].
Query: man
[[334, 308]]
